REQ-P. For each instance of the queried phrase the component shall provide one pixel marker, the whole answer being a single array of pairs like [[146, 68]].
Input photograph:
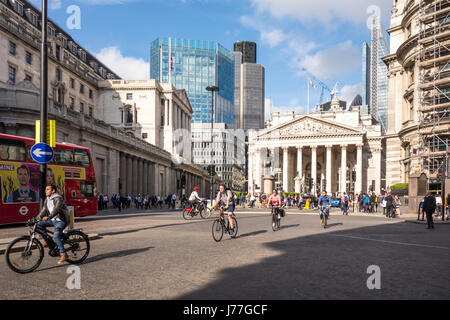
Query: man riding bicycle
[[224, 200], [275, 200], [55, 214], [324, 206], [194, 199]]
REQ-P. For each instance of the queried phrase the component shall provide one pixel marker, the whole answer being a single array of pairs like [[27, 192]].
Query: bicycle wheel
[[217, 230], [76, 246], [21, 260], [274, 223], [235, 230], [325, 219], [187, 214], [278, 223], [205, 213]]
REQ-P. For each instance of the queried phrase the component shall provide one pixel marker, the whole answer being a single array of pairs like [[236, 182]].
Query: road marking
[[391, 242]]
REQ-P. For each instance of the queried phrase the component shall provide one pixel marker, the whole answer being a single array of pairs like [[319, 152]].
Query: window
[[12, 150], [58, 75], [28, 77], [72, 83], [12, 75], [28, 57], [91, 112], [64, 157], [86, 189], [81, 88], [82, 158], [129, 96], [12, 48], [72, 103], [91, 94], [81, 107]]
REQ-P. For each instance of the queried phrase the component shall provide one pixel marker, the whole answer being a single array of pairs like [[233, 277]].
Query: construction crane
[[322, 85]]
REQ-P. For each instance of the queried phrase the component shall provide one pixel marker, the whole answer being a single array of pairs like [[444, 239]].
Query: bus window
[[12, 150], [87, 189], [63, 157], [82, 158]]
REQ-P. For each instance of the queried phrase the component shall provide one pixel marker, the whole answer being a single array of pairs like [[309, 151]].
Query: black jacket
[[429, 204]]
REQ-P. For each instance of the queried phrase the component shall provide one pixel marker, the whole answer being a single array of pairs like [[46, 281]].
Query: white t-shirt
[[51, 206], [438, 200], [194, 196]]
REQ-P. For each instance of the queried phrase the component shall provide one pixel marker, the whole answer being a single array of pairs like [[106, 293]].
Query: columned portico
[[318, 153]]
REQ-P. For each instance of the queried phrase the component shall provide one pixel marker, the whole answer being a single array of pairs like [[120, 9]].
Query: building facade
[[337, 151], [123, 163], [194, 65], [225, 151], [249, 94], [419, 91]]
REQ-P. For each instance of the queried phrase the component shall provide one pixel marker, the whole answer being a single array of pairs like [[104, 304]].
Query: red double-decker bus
[[71, 170]]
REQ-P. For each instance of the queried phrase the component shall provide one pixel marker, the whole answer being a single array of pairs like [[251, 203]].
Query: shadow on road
[[114, 216], [334, 264], [251, 234], [290, 226], [331, 225]]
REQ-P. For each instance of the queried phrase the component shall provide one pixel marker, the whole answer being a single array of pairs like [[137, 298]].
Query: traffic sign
[[42, 153]]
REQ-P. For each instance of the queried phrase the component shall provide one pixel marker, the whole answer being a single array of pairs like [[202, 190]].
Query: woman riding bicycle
[[275, 200]]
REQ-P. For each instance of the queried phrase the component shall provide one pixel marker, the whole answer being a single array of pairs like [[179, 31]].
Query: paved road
[[158, 255]]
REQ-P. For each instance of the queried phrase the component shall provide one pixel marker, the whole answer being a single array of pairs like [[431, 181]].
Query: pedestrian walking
[[429, 206], [390, 206]]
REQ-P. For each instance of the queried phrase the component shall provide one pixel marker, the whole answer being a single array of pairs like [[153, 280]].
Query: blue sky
[[323, 36]]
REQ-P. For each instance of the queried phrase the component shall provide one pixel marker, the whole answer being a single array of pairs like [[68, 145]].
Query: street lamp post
[[44, 93], [212, 89]]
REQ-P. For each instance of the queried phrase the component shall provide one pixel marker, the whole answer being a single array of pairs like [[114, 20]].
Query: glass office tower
[[366, 77], [194, 65]]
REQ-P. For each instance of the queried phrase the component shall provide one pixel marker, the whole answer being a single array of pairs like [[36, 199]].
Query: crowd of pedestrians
[[140, 201]]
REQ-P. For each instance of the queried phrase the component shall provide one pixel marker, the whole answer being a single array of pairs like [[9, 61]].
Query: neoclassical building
[[337, 150], [418, 135]]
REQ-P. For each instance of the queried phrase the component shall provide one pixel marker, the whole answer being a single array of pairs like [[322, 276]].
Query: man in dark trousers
[[390, 206], [429, 206]]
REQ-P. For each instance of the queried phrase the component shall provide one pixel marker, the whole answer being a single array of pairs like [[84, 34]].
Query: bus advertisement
[[71, 170]]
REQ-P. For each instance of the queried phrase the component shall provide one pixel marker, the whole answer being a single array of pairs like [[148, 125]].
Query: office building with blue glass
[[194, 65]]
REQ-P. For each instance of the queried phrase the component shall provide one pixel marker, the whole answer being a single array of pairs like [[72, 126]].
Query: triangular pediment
[[309, 126]]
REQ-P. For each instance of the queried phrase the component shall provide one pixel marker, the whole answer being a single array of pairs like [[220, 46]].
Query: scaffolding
[[434, 84]]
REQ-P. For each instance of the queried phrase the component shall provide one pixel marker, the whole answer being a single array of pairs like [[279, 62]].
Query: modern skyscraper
[[365, 75], [378, 73], [194, 65], [249, 91], [248, 50]]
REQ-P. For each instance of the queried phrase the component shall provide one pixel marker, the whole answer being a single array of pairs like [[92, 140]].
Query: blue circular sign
[[42, 153]]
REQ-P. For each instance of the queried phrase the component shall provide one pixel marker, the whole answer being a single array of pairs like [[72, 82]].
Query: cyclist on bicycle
[[275, 200], [324, 205], [225, 200], [194, 199], [55, 214]]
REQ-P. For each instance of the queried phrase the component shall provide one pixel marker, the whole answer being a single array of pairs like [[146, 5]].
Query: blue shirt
[[325, 201]]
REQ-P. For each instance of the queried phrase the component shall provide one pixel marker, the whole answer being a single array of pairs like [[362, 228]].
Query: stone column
[[156, 180], [250, 172], [123, 173], [377, 162], [145, 175], [329, 168], [285, 169], [258, 178], [129, 175], [166, 113], [343, 186], [134, 184], [140, 177], [300, 162], [358, 182], [314, 169]]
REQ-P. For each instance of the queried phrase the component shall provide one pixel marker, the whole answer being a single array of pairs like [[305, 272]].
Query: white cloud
[[349, 92], [333, 62], [323, 11], [125, 67], [273, 38]]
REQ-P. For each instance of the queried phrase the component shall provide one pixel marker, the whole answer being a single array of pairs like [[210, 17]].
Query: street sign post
[[42, 153]]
